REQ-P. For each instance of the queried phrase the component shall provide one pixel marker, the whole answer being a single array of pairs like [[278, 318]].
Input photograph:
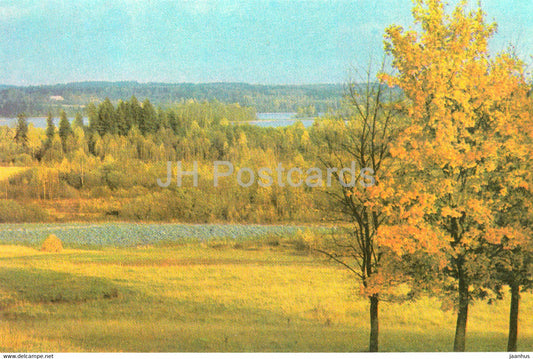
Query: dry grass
[[200, 298], [52, 244]]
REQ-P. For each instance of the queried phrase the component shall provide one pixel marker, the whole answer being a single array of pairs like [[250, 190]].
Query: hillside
[[37, 100]]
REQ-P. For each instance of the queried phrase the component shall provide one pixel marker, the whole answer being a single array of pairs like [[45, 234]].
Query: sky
[[255, 41]]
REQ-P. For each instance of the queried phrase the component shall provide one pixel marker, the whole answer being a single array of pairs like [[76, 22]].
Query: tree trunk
[[374, 323], [513, 318], [462, 315]]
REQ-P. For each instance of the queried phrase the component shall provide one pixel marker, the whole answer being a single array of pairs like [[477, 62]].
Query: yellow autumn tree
[[355, 148], [466, 119]]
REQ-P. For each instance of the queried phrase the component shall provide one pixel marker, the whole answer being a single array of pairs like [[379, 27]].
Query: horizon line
[[170, 83]]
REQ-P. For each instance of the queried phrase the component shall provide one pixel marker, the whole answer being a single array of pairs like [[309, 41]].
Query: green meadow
[[216, 296]]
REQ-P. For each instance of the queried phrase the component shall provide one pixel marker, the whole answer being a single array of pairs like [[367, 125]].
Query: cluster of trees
[[306, 112], [450, 212], [110, 167], [106, 119]]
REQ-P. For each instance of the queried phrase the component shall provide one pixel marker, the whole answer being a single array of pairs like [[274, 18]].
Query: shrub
[[52, 244], [23, 160], [14, 212], [303, 240]]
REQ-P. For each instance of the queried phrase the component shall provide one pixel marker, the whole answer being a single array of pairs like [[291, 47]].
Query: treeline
[[109, 168], [106, 118], [37, 100]]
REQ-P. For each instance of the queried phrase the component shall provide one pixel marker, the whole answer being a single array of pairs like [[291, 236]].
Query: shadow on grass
[[95, 314], [48, 286]]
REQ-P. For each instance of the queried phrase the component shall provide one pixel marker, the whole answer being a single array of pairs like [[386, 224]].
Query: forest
[[38, 100], [109, 168]]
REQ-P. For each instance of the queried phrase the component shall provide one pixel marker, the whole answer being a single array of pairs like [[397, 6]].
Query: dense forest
[[72, 97], [109, 169]]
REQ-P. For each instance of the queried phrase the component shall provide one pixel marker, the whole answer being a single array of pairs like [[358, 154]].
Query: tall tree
[[148, 120], [461, 130], [135, 111], [21, 132], [78, 121], [65, 130], [123, 118], [107, 120], [50, 128], [50, 132], [363, 201], [92, 114]]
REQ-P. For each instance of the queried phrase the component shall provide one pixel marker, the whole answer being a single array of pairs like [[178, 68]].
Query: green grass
[[209, 297]]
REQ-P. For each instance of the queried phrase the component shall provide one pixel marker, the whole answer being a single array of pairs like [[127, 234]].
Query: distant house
[[56, 98]]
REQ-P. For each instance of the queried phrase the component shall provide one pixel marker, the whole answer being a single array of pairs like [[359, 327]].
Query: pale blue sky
[[269, 42]]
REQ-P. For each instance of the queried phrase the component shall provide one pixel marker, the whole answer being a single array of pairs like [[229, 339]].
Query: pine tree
[[64, 129], [21, 134], [107, 122], [123, 118], [148, 119], [92, 114], [50, 130], [78, 121]]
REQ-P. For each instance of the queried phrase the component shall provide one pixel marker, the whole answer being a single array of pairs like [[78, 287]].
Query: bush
[[303, 240], [52, 244], [14, 212], [23, 160]]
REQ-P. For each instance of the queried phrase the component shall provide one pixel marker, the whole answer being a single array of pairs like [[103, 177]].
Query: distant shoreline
[[281, 117]]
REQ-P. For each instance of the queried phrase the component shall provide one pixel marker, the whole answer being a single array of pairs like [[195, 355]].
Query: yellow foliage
[[6, 172]]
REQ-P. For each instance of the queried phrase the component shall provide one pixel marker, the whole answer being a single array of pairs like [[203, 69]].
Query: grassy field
[[215, 297]]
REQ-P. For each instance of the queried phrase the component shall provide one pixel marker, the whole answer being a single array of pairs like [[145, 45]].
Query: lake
[[279, 119], [264, 119], [39, 122]]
